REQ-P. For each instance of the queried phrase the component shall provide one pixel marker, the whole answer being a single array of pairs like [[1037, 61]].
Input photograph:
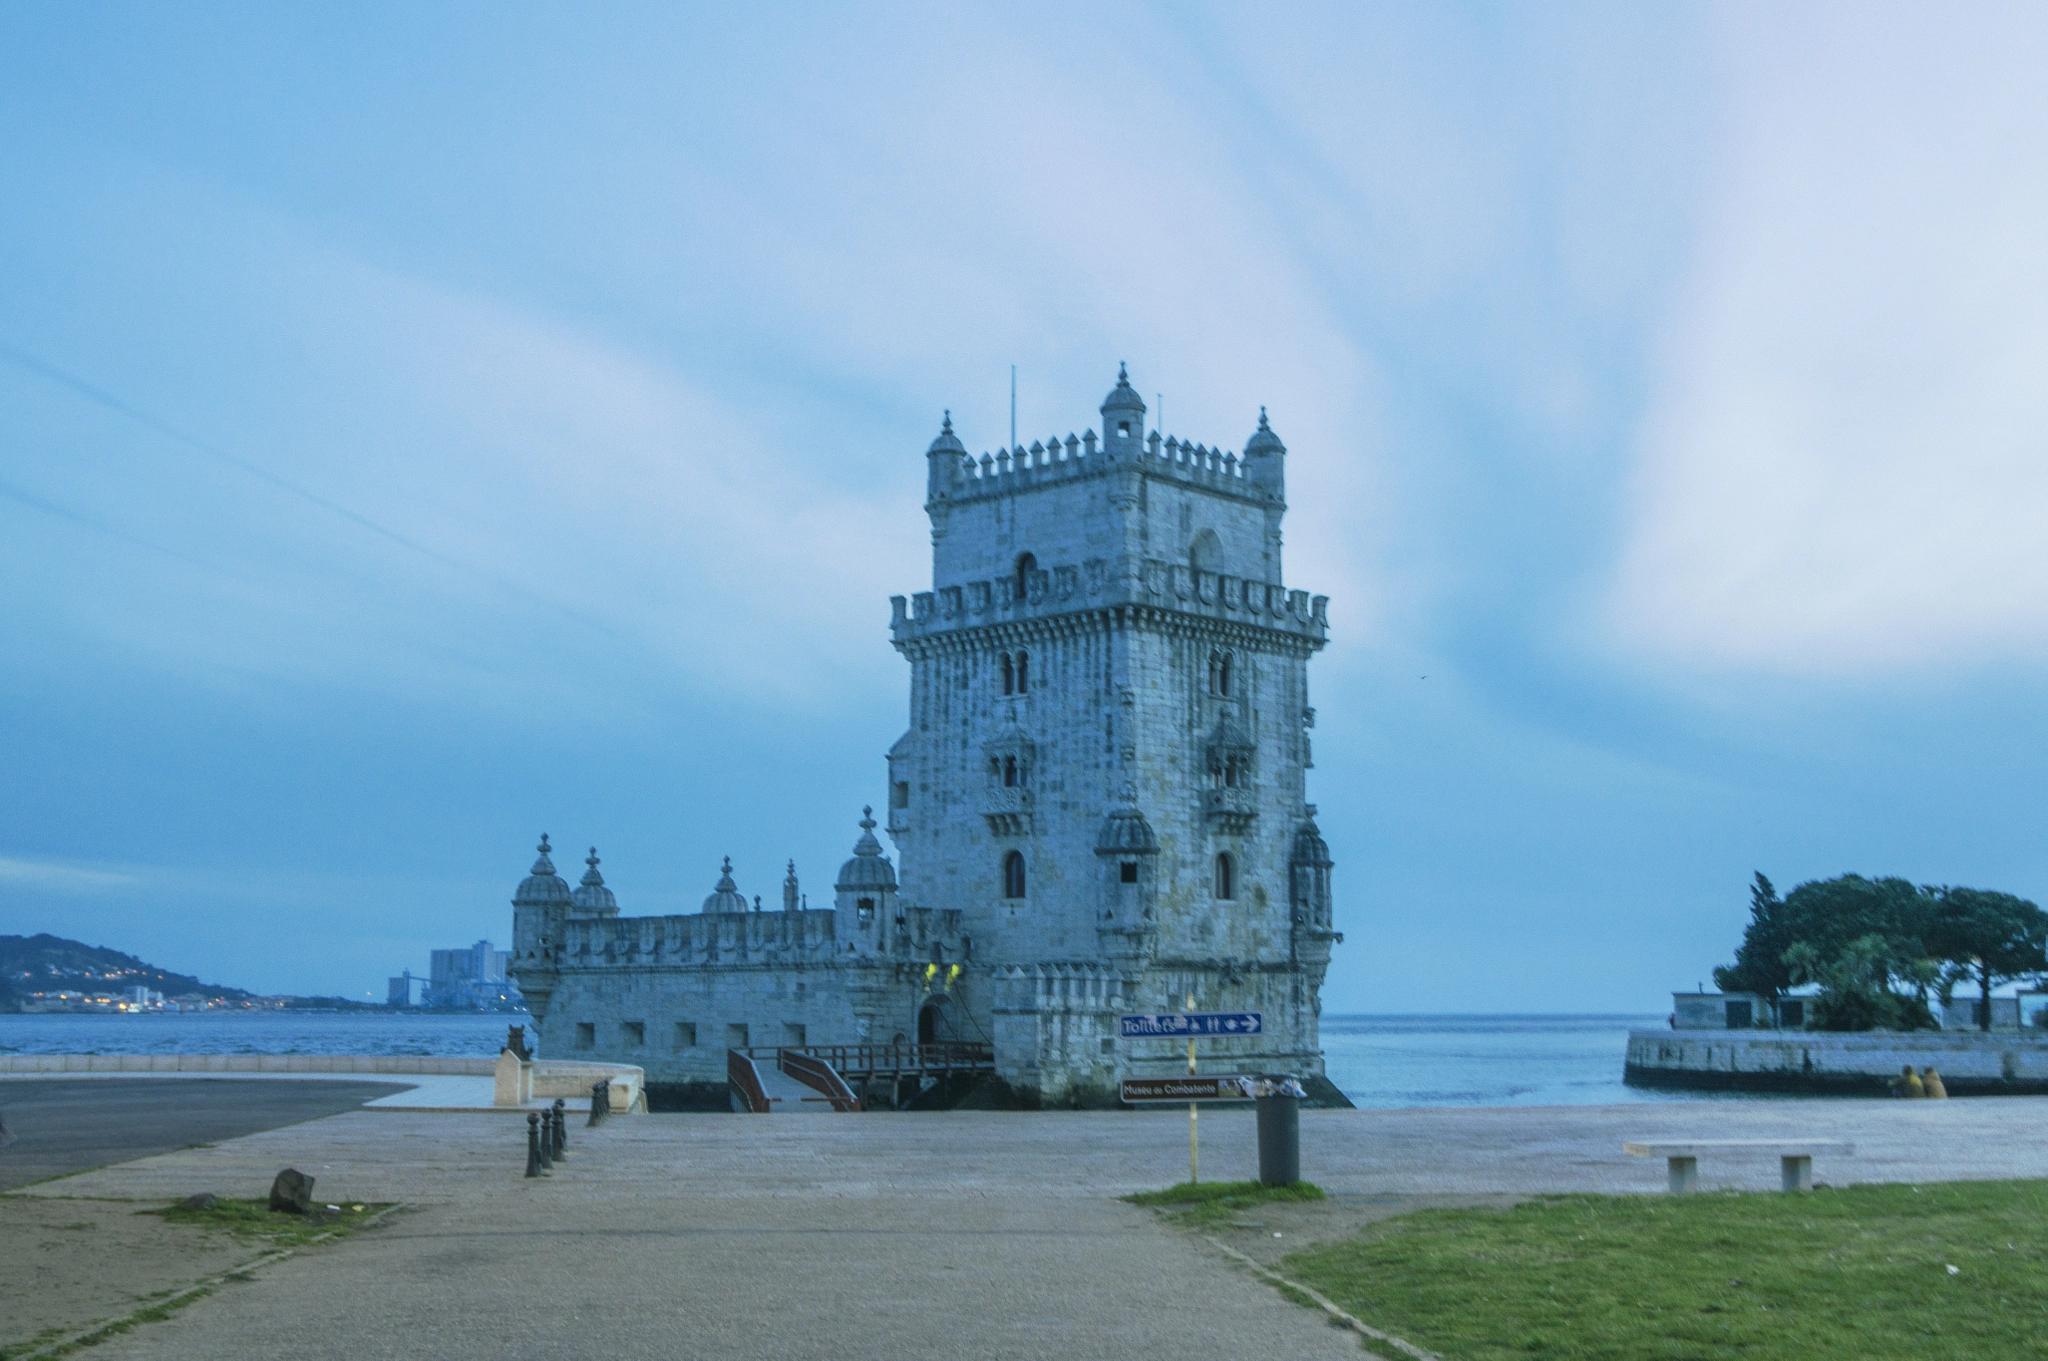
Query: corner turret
[[1123, 419], [593, 899], [725, 895], [1265, 459], [540, 912], [865, 896], [943, 460]]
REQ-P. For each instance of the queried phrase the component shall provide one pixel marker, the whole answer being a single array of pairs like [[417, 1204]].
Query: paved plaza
[[961, 1233]]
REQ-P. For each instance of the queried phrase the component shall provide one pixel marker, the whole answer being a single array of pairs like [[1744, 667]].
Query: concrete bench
[[1795, 1157]]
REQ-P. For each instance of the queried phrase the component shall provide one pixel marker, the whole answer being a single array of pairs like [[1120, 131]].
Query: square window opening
[[735, 1037], [636, 1032], [1128, 872], [686, 1034], [586, 1034]]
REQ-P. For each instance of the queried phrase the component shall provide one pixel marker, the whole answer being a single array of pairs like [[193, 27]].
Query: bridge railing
[[868, 1060], [745, 1081], [820, 1076]]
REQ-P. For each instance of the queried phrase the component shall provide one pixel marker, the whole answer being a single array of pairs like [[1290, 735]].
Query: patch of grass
[[255, 1219], [1212, 1202], [32, 1346], [1954, 1271]]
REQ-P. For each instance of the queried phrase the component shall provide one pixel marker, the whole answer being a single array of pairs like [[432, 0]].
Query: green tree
[[1759, 965], [1829, 915], [1993, 936], [1862, 940], [1855, 986]]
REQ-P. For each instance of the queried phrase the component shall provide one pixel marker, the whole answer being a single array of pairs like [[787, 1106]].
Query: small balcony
[[1230, 809], [1007, 808]]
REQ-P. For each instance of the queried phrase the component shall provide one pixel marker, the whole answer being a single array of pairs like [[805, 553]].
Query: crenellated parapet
[[701, 939], [1101, 583], [1009, 471]]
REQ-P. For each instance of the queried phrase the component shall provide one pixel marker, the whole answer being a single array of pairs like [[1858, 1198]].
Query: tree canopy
[[1876, 947]]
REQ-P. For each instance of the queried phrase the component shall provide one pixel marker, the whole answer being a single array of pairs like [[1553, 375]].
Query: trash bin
[[1279, 1140]]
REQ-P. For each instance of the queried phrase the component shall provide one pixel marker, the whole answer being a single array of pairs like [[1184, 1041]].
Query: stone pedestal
[[514, 1085]]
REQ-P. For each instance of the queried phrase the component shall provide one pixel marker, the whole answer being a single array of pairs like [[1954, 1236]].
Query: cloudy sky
[[421, 426]]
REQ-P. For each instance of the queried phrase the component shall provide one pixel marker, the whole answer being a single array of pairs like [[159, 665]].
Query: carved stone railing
[[1230, 810], [1098, 582]]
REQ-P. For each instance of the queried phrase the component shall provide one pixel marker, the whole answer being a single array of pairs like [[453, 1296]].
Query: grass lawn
[[255, 1219], [1212, 1202], [1947, 1270]]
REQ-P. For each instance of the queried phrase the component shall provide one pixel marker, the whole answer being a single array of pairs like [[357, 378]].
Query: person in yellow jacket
[[1908, 1083], [1932, 1085]]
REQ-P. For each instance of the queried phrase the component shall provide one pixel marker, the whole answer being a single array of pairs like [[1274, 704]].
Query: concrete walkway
[[963, 1233], [58, 1125]]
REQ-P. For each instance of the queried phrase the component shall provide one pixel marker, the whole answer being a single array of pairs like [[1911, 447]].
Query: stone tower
[[1104, 771]]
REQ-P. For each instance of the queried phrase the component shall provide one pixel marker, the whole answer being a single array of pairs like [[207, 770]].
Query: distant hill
[[43, 963]]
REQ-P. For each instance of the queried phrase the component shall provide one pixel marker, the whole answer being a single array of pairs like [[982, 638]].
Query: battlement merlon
[[1102, 584], [956, 477]]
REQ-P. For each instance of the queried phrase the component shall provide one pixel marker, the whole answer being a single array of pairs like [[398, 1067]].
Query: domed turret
[[1126, 832], [1265, 458], [726, 895], [593, 899], [1309, 846], [1123, 418], [1309, 868], [869, 870], [947, 442], [943, 460], [542, 887]]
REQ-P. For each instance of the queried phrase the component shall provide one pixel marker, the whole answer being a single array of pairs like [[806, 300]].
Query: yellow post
[[1194, 1147]]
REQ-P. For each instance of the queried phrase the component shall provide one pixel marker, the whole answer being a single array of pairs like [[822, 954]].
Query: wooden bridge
[[848, 1077]]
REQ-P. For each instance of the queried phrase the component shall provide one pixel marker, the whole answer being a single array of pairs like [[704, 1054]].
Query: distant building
[[406, 990], [470, 979]]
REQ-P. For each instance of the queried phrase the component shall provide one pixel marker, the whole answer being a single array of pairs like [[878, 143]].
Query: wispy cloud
[[61, 876], [1844, 468]]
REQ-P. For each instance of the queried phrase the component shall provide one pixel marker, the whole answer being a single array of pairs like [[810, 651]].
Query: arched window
[[1013, 875], [1026, 565], [1205, 552], [1009, 676], [1219, 673], [1023, 672], [1127, 872], [1009, 772], [1226, 877]]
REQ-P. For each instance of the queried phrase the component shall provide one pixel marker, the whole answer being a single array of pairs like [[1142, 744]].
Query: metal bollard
[[600, 1101], [547, 1139], [1279, 1140], [561, 1119], [533, 1163]]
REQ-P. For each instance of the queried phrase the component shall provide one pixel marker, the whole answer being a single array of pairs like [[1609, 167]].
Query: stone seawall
[[1971, 1063], [246, 1063]]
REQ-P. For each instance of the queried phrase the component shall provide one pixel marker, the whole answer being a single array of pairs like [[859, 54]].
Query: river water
[[1374, 1060]]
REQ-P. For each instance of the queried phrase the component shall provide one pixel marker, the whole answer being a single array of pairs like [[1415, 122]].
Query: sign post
[[1194, 1163], [1191, 1023]]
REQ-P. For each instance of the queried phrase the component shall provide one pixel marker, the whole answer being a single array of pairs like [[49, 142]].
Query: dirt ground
[[74, 1264]]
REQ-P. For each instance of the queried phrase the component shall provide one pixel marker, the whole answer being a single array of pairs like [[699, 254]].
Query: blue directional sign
[[1183, 1025]]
